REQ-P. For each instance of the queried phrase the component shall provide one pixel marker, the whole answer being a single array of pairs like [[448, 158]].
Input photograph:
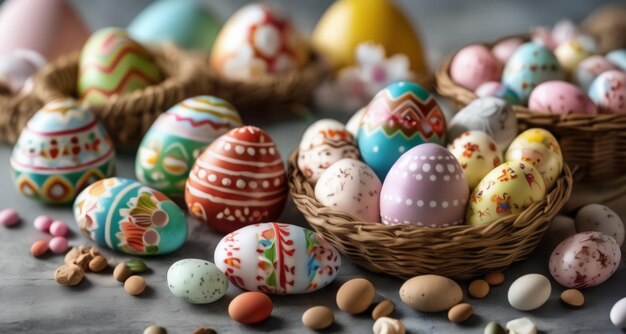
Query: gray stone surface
[[30, 300]]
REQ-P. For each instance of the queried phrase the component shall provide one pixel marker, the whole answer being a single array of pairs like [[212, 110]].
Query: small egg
[[460, 313], [135, 285], [42, 223], [58, 245], [573, 298], [521, 326], [9, 217], [494, 328], [39, 248], [589, 69], [431, 293], [477, 154], [618, 314], [474, 65], [600, 218], [478, 289], [58, 228], [529, 292], [608, 92], [196, 281], [504, 49], [318, 317], [250, 307], [570, 54], [383, 309], [539, 148], [355, 296], [494, 278], [618, 57], [560, 98], [496, 89]]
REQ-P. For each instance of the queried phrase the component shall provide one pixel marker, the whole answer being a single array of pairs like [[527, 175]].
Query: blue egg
[[530, 65], [618, 58], [399, 117]]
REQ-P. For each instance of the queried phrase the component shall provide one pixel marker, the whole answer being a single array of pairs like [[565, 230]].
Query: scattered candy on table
[[9, 218]]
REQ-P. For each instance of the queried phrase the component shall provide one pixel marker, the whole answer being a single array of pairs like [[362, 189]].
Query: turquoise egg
[[399, 117], [530, 65], [187, 23], [127, 216], [618, 58]]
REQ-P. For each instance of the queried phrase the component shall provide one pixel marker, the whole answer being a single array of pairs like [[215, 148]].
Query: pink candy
[[9, 217], [42, 223], [58, 228], [58, 245]]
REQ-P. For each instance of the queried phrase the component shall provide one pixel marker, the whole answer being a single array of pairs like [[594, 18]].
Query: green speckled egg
[[196, 281]]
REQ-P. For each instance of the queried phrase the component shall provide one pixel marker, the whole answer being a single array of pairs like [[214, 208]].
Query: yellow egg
[[508, 189], [477, 154], [570, 54], [348, 23], [539, 148]]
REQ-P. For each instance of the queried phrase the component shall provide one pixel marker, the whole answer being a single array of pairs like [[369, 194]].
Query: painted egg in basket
[[176, 139], [130, 217], [62, 150], [239, 180], [277, 258]]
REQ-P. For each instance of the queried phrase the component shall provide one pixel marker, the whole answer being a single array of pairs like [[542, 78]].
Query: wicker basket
[[15, 111], [128, 116], [460, 252], [594, 145]]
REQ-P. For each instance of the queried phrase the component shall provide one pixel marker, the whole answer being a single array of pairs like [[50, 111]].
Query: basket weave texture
[[594, 145], [128, 116], [459, 252], [15, 111]]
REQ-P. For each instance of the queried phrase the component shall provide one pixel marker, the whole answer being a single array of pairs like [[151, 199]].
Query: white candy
[[521, 326]]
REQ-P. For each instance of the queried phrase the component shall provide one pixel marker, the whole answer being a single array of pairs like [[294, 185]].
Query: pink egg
[[560, 98], [608, 92], [58, 228], [474, 65], [504, 49], [9, 217], [590, 68], [584, 260], [58, 245], [42, 223]]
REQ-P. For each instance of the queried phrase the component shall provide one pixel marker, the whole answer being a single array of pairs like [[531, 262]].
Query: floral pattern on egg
[[539, 148], [477, 154]]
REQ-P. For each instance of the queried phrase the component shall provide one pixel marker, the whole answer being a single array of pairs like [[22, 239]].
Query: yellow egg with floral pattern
[[539, 148], [477, 154]]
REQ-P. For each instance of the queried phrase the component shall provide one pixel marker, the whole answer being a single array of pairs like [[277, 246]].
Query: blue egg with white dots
[[618, 58], [400, 117]]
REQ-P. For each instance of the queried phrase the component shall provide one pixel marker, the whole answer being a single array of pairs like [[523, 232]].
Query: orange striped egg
[[238, 180]]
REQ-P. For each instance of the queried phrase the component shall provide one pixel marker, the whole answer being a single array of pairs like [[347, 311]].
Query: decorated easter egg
[[186, 23], [474, 65], [584, 260], [346, 24], [477, 153], [504, 49], [62, 150], [17, 67], [399, 117], [256, 41], [111, 63], [350, 186], [618, 58], [277, 258], [129, 217], [508, 189], [539, 148], [354, 123], [560, 98], [176, 139], [324, 143], [490, 115], [238, 180], [496, 89], [530, 65], [589, 69], [608, 92], [570, 54], [196, 281], [425, 187]]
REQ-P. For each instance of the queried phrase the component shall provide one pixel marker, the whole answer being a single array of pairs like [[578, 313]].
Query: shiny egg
[[477, 154], [539, 148], [474, 65], [589, 69], [608, 92], [560, 98]]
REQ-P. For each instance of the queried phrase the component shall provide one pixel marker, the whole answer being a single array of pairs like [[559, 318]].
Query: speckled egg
[[618, 58], [600, 218], [63, 149], [504, 49], [256, 41], [608, 92], [240, 179], [176, 139], [277, 258], [399, 117], [425, 187], [324, 143], [354, 123], [496, 89], [474, 65], [530, 65], [17, 68], [570, 54], [560, 98], [539, 148], [508, 189], [127, 216], [196, 281], [477, 154], [584, 260], [490, 115], [350, 186], [589, 69]]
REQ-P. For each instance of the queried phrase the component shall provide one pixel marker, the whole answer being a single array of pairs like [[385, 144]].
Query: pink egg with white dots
[[425, 187]]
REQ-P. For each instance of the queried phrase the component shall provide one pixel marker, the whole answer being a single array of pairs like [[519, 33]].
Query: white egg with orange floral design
[[477, 154], [539, 148]]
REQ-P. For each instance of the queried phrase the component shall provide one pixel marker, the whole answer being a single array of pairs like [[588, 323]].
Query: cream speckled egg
[[600, 218], [477, 154], [570, 54], [196, 281], [539, 148]]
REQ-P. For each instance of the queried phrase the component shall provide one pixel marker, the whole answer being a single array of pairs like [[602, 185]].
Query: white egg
[[600, 218], [196, 281], [618, 314], [529, 292]]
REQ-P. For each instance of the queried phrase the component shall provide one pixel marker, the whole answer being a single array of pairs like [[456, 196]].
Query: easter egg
[[589, 69], [474, 65], [425, 187], [176, 139], [503, 50], [324, 143], [539, 148], [618, 58], [256, 41], [62, 150], [490, 115], [196, 281], [354, 123], [399, 117], [350, 186], [608, 92], [277, 258], [111, 63], [600, 218], [570, 54], [584, 260], [496, 89], [129, 217], [560, 98], [17, 68], [477, 153], [346, 24], [508, 189], [238, 180], [530, 65], [187, 23]]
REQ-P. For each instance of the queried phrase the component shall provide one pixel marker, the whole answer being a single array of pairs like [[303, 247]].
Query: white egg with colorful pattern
[[196, 281], [477, 153], [539, 148], [277, 258]]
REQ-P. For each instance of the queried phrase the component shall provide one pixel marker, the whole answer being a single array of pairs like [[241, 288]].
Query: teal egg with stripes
[[400, 117], [127, 216]]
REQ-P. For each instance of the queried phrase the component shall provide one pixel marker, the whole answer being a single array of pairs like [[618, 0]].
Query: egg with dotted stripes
[[196, 281], [425, 187], [539, 148], [477, 154]]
